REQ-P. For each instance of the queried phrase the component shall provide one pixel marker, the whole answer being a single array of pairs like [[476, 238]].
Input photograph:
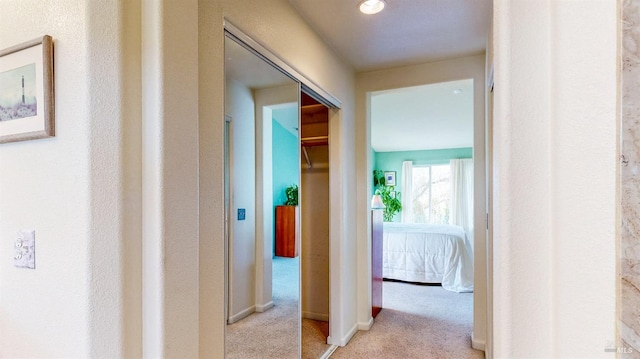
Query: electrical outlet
[[241, 214], [25, 249]]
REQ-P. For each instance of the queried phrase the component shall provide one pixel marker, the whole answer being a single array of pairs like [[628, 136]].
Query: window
[[431, 194]]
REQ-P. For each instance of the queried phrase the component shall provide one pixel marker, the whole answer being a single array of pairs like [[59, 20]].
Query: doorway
[[472, 67], [422, 147]]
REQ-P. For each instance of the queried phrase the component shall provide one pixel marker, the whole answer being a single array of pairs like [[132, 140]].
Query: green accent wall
[[286, 164], [392, 161]]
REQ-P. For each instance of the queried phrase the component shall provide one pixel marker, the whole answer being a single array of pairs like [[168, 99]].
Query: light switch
[[25, 249]]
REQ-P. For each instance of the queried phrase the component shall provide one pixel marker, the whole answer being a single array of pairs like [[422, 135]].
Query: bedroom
[[422, 160]]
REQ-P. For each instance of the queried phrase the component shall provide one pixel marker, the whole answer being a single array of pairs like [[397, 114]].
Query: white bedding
[[428, 253]]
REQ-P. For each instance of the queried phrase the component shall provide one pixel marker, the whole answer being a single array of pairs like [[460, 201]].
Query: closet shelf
[[312, 109], [311, 142]]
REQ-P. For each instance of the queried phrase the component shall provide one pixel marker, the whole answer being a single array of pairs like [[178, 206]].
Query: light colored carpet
[[314, 338], [417, 321], [274, 333]]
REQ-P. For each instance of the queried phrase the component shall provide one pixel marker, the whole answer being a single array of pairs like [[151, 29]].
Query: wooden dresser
[[287, 240]]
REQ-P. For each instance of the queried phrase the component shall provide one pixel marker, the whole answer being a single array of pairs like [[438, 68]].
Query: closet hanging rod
[[314, 141], [315, 138], [306, 156]]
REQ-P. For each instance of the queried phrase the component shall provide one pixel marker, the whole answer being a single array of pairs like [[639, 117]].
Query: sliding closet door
[[263, 290]]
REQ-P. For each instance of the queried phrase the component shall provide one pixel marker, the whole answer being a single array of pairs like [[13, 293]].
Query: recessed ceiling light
[[457, 91], [371, 7]]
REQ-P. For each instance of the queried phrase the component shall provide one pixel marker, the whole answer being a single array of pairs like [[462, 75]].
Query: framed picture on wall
[[390, 178], [26, 91]]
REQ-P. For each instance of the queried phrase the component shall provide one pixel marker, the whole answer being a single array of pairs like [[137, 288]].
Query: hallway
[[417, 321]]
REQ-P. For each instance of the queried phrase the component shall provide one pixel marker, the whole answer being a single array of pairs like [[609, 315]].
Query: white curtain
[[461, 195], [406, 193]]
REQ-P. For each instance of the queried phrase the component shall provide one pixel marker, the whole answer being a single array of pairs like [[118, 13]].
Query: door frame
[[443, 71]]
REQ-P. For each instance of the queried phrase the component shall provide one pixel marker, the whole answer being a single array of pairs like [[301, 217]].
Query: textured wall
[[242, 249], [629, 321], [80, 190], [555, 152], [47, 189], [170, 179]]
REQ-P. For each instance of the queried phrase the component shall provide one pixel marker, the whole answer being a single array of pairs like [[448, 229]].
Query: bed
[[428, 253]]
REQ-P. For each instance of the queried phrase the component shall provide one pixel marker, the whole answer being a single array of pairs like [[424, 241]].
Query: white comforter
[[429, 254]]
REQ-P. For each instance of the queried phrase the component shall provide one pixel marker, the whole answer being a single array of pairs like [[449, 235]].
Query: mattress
[[428, 253]]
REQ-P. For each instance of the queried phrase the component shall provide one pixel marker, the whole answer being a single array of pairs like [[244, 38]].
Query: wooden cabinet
[[376, 261], [287, 236]]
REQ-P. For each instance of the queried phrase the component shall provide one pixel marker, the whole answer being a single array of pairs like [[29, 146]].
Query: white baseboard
[[367, 325], [263, 308], [478, 344], [316, 316], [344, 340], [243, 314]]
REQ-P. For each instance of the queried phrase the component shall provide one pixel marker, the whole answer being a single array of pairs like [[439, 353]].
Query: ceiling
[[425, 117], [287, 117], [408, 32], [405, 32], [250, 70]]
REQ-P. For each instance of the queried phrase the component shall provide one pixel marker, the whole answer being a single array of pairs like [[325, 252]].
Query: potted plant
[[292, 195], [390, 197]]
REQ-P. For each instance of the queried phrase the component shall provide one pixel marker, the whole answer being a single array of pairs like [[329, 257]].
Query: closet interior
[[314, 260]]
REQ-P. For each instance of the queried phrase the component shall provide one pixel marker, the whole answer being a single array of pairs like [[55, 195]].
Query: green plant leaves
[[292, 195], [390, 197]]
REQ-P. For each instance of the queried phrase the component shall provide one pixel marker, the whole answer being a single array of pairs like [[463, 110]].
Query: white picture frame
[[390, 178]]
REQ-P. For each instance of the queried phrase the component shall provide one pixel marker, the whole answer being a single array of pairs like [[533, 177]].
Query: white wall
[[84, 189], [555, 123], [455, 69], [242, 249], [265, 99], [45, 185], [488, 350], [170, 179], [555, 171], [80, 191]]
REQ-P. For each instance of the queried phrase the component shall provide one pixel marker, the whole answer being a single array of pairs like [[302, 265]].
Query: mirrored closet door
[[261, 181]]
